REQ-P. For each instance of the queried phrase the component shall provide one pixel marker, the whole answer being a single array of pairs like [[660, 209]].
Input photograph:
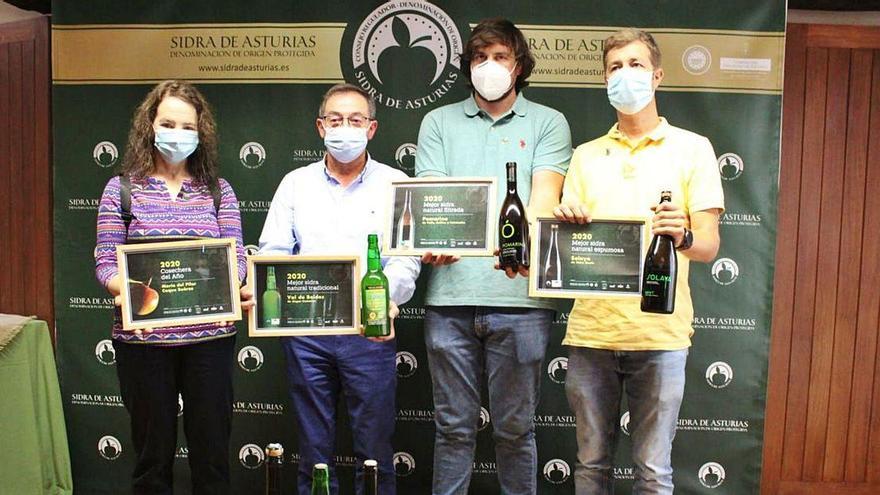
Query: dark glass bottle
[[371, 477], [320, 480], [553, 266], [513, 227], [405, 225], [660, 272], [374, 294], [274, 467]]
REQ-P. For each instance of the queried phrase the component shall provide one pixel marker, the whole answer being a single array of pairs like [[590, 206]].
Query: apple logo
[[252, 158], [105, 157], [407, 53]]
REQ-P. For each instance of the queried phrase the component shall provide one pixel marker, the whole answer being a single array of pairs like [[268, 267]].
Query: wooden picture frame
[[601, 259], [309, 303], [176, 283], [444, 207]]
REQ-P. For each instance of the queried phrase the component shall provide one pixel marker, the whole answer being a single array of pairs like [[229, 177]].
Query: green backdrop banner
[[264, 65]]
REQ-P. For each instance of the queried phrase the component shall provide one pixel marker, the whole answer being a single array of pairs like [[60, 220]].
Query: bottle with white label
[[374, 294], [271, 301]]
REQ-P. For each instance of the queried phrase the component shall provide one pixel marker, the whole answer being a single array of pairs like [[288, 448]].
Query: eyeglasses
[[354, 120]]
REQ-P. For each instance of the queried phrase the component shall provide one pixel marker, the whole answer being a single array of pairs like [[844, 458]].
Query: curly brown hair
[[499, 30], [202, 165]]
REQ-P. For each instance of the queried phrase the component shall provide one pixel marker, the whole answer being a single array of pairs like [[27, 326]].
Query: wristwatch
[[687, 240]]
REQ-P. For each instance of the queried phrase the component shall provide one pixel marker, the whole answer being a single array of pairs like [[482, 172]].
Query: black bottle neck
[[511, 178]]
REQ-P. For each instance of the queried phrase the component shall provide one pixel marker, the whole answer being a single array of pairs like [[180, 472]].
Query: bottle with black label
[[274, 466], [552, 265], [513, 227], [660, 272]]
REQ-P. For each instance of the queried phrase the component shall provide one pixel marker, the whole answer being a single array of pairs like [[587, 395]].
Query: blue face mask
[[630, 89], [345, 143], [175, 145]]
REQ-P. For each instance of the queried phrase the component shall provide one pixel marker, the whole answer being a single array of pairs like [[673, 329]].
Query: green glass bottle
[[320, 480], [374, 294], [271, 301]]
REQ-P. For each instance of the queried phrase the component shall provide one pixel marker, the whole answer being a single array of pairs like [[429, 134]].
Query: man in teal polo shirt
[[480, 321]]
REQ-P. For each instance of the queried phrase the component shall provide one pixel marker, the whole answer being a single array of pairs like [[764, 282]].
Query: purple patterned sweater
[[156, 215]]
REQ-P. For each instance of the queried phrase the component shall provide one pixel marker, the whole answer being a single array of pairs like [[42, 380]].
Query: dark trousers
[[150, 377], [321, 368]]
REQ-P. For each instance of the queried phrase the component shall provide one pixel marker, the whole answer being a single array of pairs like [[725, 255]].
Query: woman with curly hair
[[169, 174]]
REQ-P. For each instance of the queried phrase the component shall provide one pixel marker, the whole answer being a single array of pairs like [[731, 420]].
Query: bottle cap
[[370, 463], [274, 450], [320, 465]]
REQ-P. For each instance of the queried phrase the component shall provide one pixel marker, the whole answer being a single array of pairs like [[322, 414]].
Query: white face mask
[[345, 143], [491, 79], [630, 89], [175, 145]]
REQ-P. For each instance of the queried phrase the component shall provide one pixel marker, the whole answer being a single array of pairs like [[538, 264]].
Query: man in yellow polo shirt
[[614, 347]]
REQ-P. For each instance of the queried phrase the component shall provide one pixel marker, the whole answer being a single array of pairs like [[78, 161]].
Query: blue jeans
[[654, 385], [318, 369], [508, 346]]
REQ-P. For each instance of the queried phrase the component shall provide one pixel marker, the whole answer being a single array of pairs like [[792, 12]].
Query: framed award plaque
[[449, 215], [304, 295], [178, 283], [600, 259]]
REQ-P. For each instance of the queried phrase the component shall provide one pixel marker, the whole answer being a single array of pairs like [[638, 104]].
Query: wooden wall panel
[[870, 298], [806, 262], [849, 273], [822, 431], [786, 255], [25, 170]]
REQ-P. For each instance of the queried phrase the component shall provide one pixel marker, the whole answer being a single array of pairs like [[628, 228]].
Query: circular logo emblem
[[404, 464], [557, 471], [624, 423], [485, 419], [105, 154], [696, 60], [719, 374], [251, 456], [711, 475], [406, 364], [179, 405], [109, 448], [250, 358], [416, 37], [725, 271], [730, 165], [252, 154], [405, 156], [507, 230], [251, 249], [557, 369], [105, 352]]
